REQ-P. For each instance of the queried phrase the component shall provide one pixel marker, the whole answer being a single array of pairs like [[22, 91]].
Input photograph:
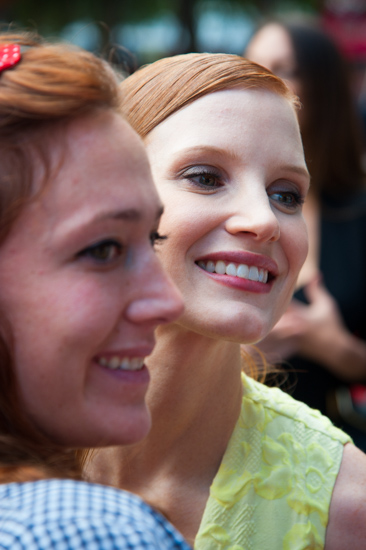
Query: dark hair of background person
[[336, 215], [331, 130], [51, 85]]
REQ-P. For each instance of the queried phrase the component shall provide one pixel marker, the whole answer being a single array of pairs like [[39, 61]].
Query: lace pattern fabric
[[275, 482]]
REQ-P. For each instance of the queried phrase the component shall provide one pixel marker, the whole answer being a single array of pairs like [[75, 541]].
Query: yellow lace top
[[273, 488]]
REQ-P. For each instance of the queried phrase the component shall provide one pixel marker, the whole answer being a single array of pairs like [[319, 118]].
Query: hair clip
[[9, 56]]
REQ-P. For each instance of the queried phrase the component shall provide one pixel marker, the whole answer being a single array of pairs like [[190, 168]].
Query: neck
[[194, 398], [186, 371]]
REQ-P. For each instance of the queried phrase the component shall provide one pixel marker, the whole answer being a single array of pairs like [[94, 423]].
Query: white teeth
[[231, 270], [263, 275], [243, 271], [220, 267], [124, 363], [114, 363], [253, 273], [210, 267]]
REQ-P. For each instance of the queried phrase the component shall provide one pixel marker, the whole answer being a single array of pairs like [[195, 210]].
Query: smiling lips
[[122, 363], [243, 271]]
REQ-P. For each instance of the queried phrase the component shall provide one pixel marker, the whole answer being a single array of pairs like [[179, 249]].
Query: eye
[[204, 178], [155, 237], [102, 252], [292, 200]]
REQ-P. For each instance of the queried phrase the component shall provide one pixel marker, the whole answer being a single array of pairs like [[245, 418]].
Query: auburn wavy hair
[[158, 90], [51, 85]]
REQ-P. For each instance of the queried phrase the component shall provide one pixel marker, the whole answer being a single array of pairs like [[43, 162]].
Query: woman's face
[[272, 48], [230, 170], [83, 289]]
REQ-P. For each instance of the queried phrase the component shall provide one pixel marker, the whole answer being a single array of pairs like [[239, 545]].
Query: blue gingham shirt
[[70, 515]]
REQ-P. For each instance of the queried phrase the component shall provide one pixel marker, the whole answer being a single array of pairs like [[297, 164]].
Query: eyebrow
[[297, 169], [66, 231], [130, 215], [211, 149], [217, 151]]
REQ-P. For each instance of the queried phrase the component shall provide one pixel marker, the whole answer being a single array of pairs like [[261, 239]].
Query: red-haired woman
[[81, 292], [233, 463]]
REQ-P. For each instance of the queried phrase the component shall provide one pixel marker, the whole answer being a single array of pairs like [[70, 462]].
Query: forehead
[[237, 115], [98, 165], [107, 140], [101, 158]]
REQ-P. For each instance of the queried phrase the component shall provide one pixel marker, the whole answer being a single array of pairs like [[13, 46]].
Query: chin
[[128, 427], [241, 329], [135, 428], [247, 326]]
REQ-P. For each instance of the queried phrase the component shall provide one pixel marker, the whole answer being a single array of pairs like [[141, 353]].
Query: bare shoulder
[[347, 513]]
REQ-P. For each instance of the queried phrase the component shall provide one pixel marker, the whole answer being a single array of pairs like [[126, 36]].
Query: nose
[[156, 299], [253, 215]]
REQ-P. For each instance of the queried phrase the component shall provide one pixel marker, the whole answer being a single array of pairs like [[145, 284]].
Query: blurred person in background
[[322, 335]]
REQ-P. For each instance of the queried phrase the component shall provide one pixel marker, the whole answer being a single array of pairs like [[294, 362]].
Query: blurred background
[[149, 29], [156, 28]]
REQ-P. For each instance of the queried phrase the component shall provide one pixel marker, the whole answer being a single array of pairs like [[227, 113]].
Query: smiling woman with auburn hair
[[234, 464]]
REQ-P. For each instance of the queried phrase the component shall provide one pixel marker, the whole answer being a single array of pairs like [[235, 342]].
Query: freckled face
[[231, 173], [83, 289]]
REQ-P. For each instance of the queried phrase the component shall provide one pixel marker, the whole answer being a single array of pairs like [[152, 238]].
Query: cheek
[[187, 218], [184, 232], [61, 316], [296, 245], [86, 314], [54, 341], [176, 229]]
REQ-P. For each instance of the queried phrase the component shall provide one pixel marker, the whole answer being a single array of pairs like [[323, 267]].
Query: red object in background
[[348, 29], [358, 394]]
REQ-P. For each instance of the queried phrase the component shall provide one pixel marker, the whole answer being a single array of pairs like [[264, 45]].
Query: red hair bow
[[9, 56]]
